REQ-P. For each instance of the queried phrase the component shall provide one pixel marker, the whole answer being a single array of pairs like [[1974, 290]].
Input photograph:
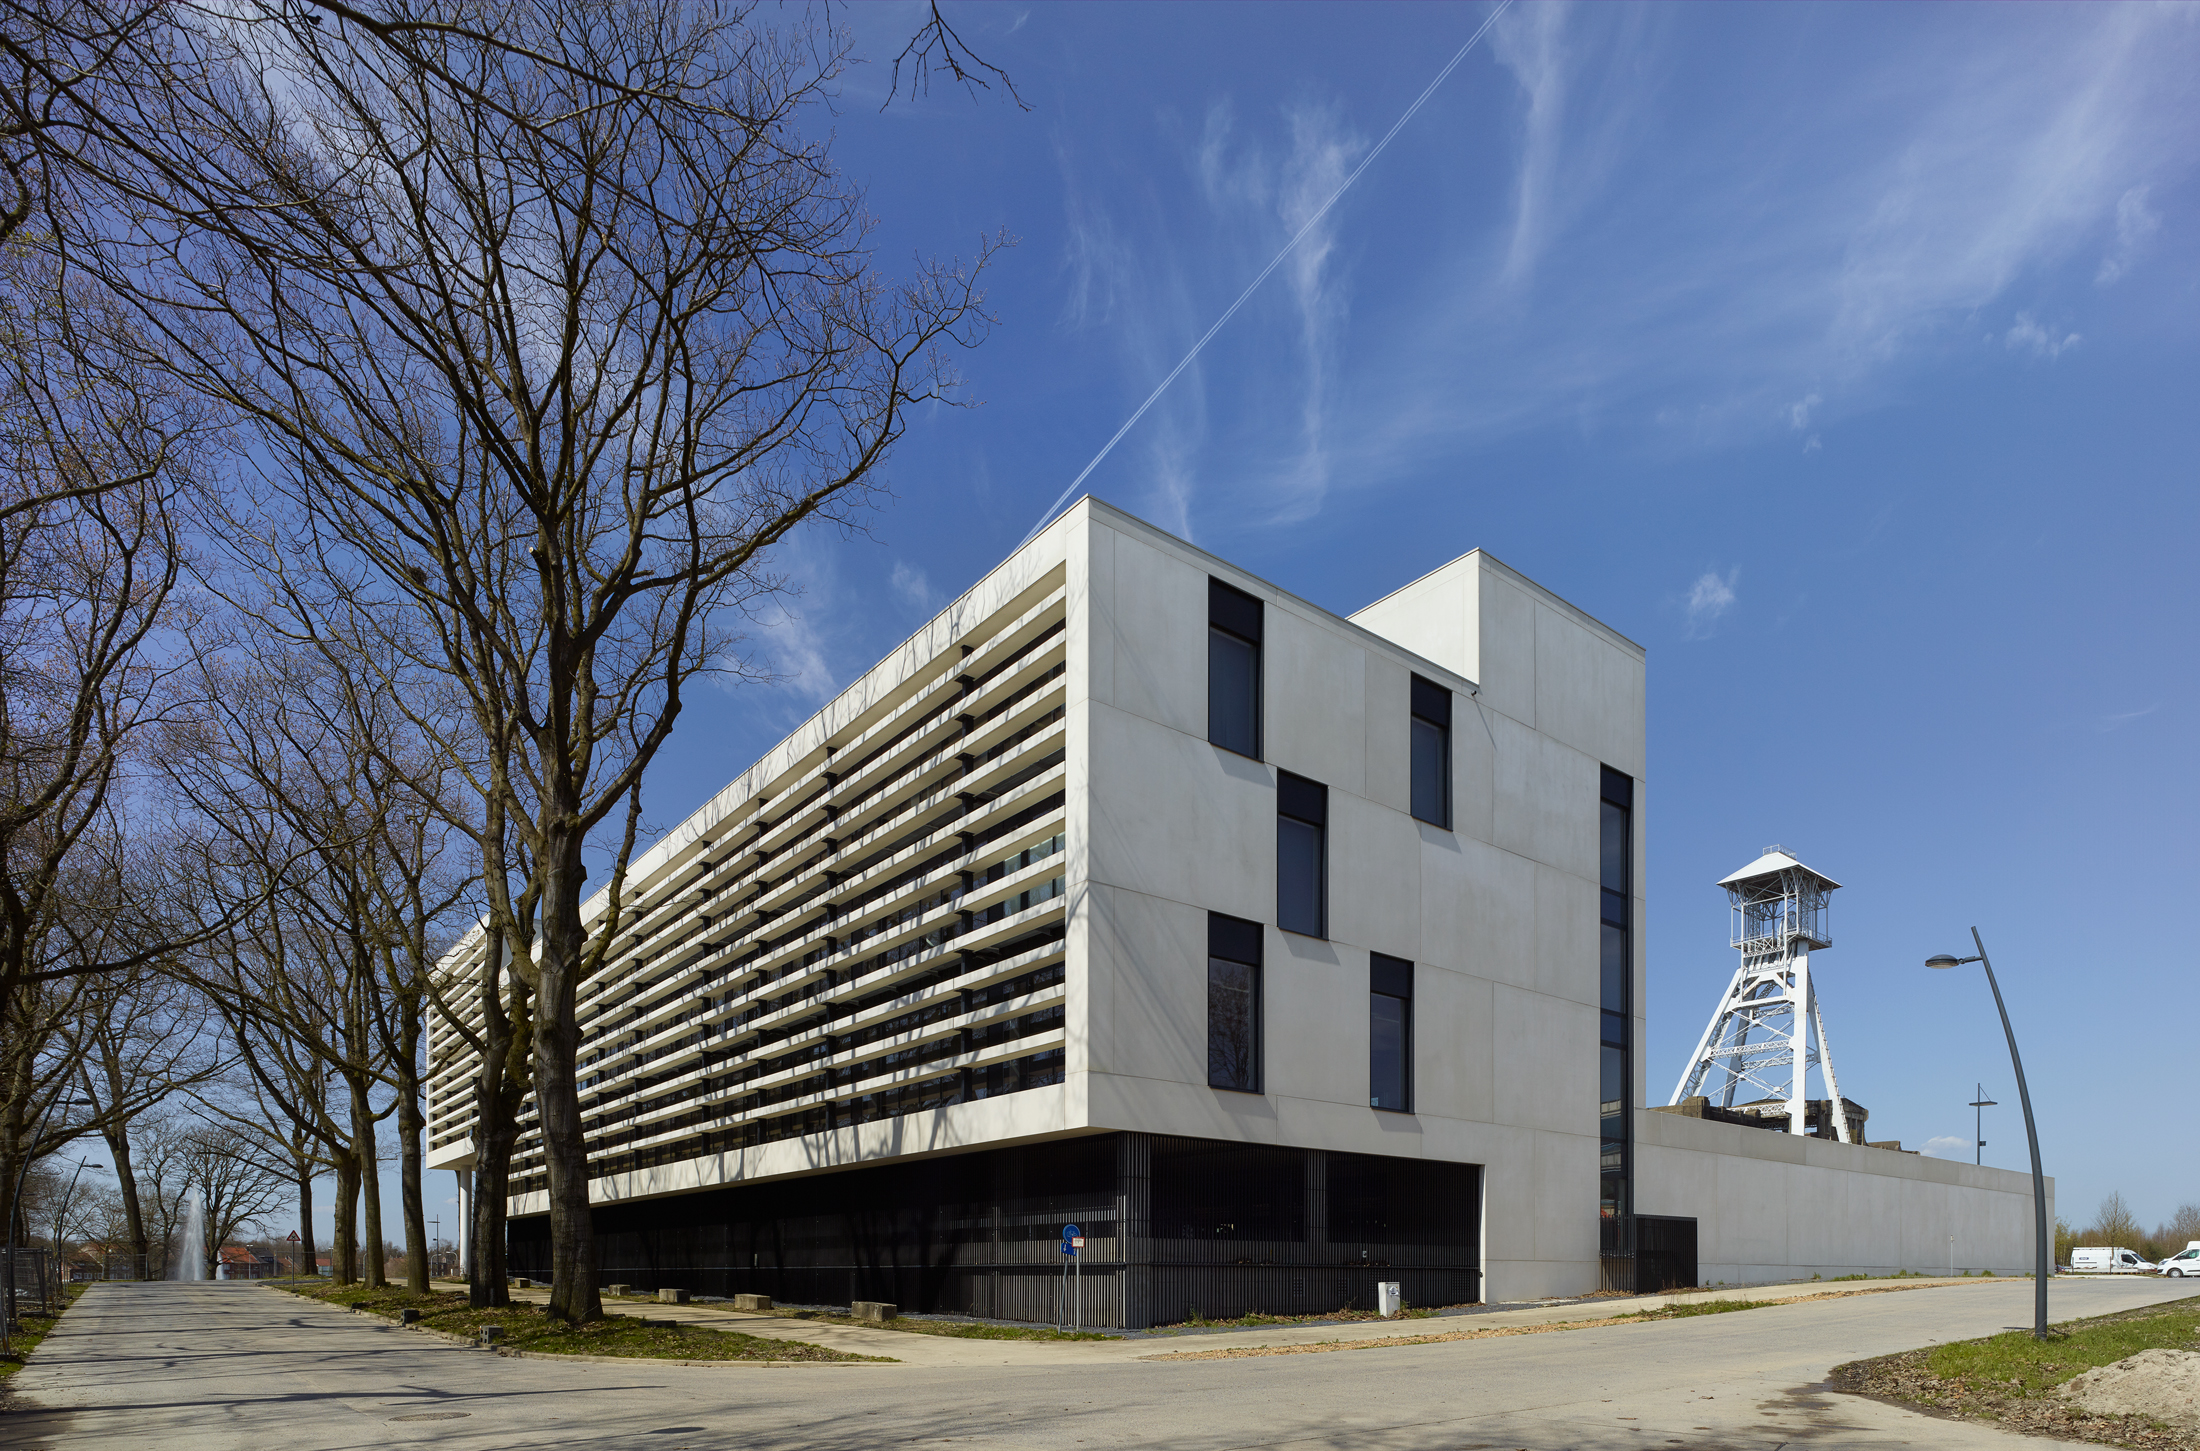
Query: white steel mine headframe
[[1760, 1032]]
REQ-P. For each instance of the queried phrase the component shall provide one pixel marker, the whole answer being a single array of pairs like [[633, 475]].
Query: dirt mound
[[2163, 1384]]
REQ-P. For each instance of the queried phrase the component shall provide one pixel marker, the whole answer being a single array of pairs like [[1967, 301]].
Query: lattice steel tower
[[1761, 1030]]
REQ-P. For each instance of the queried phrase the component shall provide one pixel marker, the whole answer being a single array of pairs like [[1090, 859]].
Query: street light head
[[1943, 960]]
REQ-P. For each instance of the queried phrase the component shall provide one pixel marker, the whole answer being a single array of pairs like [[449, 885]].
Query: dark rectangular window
[[1389, 1033], [1233, 669], [1616, 974], [1233, 1003], [1431, 753], [1302, 855]]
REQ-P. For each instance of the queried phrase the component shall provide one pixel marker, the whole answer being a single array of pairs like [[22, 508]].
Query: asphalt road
[[222, 1367]]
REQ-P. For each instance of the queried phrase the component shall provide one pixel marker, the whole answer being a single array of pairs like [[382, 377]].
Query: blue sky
[[1843, 356]]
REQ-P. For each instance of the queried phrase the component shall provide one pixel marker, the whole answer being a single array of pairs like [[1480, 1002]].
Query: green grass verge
[[35, 1328], [527, 1327], [2010, 1379], [2016, 1361]]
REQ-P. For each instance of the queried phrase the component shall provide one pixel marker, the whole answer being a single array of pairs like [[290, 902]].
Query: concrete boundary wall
[[1772, 1206]]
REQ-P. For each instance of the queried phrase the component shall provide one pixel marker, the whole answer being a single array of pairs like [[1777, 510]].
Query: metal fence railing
[[30, 1281]]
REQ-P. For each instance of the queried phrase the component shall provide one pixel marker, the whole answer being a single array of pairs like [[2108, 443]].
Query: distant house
[[239, 1263]]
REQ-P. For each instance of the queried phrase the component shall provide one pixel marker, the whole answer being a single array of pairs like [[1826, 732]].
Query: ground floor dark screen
[[1174, 1228]]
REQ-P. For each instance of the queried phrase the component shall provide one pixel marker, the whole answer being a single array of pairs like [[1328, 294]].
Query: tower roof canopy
[[1771, 864]]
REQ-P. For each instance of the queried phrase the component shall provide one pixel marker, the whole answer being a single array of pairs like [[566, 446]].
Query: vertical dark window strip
[[1616, 1048], [1233, 669], [1390, 1033], [1302, 847], [1233, 1003], [1431, 752]]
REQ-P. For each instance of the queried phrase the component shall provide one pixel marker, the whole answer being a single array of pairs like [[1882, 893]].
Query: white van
[[2107, 1260], [2186, 1262]]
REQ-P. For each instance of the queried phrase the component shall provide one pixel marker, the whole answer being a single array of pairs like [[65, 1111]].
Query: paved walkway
[[225, 1367], [942, 1350]]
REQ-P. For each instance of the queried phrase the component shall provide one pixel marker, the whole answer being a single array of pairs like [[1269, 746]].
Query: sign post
[[294, 1259], [1073, 1240]]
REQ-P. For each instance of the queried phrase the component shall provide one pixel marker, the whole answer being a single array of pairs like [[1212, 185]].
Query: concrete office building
[[1284, 953]]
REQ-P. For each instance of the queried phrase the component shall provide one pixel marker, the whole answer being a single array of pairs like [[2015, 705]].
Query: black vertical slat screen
[[1174, 1227]]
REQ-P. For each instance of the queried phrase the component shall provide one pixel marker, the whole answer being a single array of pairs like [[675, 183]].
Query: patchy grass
[[527, 1327], [953, 1329], [1699, 1307], [2010, 1378], [35, 1328], [1256, 1320]]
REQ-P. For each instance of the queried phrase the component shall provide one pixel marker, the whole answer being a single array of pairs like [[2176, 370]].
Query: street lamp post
[[2041, 1264], [1979, 1106]]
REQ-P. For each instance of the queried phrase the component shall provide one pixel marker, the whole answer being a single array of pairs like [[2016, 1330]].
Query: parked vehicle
[[2184, 1262], [2107, 1260]]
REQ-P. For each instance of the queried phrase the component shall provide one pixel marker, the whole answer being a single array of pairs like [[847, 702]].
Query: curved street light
[[2031, 1134]]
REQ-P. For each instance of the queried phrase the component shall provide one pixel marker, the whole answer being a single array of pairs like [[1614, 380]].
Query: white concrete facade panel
[[968, 906]]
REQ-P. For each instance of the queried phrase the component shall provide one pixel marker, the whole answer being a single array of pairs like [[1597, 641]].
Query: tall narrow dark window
[[1233, 669], [1302, 855], [1389, 1033], [1615, 1046], [1233, 1003], [1431, 753]]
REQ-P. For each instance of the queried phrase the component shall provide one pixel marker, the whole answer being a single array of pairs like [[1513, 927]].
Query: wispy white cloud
[[1567, 151], [2121, 719], [1714, 280], [1260, 184], [1322, 151], [2025, 335], [1711, 596], [910, 585], [789, 647], [1947, 1146], [2136, 224], [1651, 267]]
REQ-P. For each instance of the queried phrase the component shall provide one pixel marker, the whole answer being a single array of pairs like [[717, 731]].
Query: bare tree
[[140, 1038], [2115, 1224], [335, 806], [545, 363], [240, 1177], [99, 455], [162, 1177]]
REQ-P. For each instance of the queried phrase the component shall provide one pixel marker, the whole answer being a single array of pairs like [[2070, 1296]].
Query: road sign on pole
[[1073, 1240]]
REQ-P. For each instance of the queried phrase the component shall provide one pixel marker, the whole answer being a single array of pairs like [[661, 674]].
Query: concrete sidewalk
[[235, 1367], [917, 1348]]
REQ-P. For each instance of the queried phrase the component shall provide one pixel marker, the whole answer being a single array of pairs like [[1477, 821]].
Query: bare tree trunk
[[409, 1125], [364, 1150], [485, 1268], [507, 1041], [344, 1254], [133, 1213], [573, 1294]]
